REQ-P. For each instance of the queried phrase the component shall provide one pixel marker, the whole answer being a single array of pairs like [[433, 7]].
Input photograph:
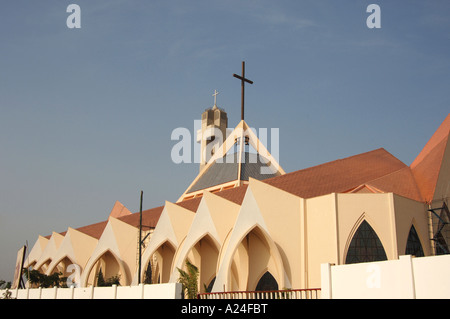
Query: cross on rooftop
[[215, 97], [243, 80]]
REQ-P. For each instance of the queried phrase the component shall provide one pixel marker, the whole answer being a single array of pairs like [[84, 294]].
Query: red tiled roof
[[94, 230], [344, 174], [235, 195], [400, 182], [191, 204], [427, 165], [150, 217]]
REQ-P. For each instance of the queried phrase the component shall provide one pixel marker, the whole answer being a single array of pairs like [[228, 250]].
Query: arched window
[[365, 246], [413, 245], [266, 283]]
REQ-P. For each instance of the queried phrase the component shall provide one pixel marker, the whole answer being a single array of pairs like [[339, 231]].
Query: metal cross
[[215, 96], [243, 80]]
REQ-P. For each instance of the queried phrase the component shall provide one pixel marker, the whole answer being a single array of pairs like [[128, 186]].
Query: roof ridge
[[407, 168], [388, 174]]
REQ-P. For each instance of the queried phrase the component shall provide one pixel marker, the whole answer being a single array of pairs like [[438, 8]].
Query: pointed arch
[[204, 253], [413, 244], [110, 264], [43, 266], [207, 255], [60, 266], [162, 259], [365, 245], [255, 254]]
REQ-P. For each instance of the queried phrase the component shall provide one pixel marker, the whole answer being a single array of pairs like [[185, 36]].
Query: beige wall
[[271, 231], [408, 213], [321, 236]]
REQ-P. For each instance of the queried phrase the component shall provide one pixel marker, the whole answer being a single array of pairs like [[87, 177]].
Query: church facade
[[248, 225]]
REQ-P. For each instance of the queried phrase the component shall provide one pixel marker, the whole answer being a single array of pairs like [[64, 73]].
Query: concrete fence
[[405, 278], [160, 291]]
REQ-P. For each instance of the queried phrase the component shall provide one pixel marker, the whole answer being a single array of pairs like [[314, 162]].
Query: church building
[[249, 225]]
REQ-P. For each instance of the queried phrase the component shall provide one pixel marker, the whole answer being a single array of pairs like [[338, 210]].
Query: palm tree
[[189, 280]]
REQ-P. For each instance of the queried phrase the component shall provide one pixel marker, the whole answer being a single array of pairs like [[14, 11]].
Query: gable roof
[[225, 167], [378, 168]]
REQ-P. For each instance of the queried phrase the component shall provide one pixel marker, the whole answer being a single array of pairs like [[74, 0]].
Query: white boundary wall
[[405, 278], [160, 291]]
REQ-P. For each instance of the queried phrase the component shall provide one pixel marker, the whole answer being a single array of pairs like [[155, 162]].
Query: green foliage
[[4, 284], [38, 279], [148, 274], [189, 280], [101, 282]]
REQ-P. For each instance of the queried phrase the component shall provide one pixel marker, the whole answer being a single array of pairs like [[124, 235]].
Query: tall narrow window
[[365, 246], [413, 246]]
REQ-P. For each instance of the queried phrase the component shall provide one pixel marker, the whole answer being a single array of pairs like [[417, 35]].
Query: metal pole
[[21, 282], [140, 238], [242, 91]]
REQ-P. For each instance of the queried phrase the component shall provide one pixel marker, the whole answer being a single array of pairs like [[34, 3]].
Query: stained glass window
[[413, 245], [365, 246]]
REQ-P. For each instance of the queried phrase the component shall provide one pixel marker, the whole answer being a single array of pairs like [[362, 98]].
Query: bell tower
[[213, 130]]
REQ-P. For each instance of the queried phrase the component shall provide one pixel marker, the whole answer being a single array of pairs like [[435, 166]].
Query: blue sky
[[86, 114]]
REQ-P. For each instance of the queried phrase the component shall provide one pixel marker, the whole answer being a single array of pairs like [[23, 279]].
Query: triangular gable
[[50, 249], [173, 226], [180, 219], [76, 246], [250, 216], [364, 189], [119, 210], [36, 251], [231, 175], [215, 217], [116, 238]]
